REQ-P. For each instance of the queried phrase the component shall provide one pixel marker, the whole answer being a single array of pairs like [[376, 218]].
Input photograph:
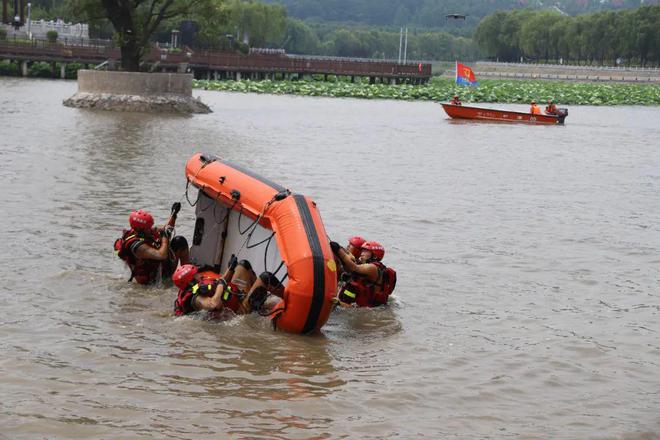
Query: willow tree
[[136, 21]]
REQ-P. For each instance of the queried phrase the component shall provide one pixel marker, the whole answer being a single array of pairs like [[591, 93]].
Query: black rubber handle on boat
[[282, 195], [206, 158]]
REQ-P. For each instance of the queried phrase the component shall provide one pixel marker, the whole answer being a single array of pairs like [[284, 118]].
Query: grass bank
[[442, 89]]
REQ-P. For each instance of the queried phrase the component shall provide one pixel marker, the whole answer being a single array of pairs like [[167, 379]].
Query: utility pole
[[400, 43], [405, 48], [29, 22]]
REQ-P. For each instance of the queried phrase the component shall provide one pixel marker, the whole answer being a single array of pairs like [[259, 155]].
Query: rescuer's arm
[[213, 302], [231, 267], [368, 270], [146, 252], [176, 207]]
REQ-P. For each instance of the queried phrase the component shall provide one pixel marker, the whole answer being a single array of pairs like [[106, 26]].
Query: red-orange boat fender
[[230, 199]]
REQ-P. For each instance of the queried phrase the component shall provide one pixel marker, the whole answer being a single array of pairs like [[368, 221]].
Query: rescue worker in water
[[238, 289], [371, 282], [148, 250], [354, 248]]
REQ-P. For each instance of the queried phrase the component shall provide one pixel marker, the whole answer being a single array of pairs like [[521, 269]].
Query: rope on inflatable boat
[[188, 198], [200, 189], [250, 228], [253, 226]]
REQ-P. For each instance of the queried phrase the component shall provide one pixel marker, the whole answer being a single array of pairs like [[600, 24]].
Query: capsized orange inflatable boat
[[240, 212]]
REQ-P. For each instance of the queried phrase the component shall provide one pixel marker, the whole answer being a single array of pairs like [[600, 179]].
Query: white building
[[38, 29]]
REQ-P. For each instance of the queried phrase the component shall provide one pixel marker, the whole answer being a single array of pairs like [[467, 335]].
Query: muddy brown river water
[[528, 258]]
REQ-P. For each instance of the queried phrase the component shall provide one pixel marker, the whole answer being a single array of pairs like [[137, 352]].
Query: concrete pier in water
[[136, 92]]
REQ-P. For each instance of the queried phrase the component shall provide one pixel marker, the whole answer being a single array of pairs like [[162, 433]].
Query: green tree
[[535, 36], [647, 40], [499, 34], [577, 36], [51, 36], [487, 34], [512, 33], [300, 38], [212, 20], [258, 24], [602, 37], [346, 44], [134, 22], [435, 45], [558, 37]]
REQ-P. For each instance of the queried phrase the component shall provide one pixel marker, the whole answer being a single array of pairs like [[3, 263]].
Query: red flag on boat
[[465, 75]]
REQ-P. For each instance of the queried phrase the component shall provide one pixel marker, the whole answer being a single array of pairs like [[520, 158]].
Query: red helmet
[[357, 243], [377, 250], [141, 220], [184, 275]]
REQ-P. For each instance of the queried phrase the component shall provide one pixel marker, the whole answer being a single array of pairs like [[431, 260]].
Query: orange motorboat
[[485, 114], [242, 213]]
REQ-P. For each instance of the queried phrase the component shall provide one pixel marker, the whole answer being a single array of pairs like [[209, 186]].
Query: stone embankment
[[557, 72], [136, 92]]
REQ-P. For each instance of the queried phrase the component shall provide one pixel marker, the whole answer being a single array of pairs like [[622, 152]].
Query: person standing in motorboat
[[455, 101], [149, 250]]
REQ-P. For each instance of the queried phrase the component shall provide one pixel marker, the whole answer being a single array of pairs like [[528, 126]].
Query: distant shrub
[[52, 36], [241, 47], [9, 68], [72, 70], [40, 70], [3, 34]]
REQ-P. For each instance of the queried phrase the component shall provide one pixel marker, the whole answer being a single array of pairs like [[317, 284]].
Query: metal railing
[[570, 67], [580, 76], [217, 60]]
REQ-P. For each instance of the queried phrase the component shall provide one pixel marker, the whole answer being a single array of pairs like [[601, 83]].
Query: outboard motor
[[561, 114]]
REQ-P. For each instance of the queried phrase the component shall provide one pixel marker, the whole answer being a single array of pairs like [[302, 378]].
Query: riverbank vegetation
[[432, 13], [441, 89], [606, 38], [507, 30]]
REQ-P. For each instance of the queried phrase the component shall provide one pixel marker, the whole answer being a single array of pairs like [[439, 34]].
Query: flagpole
[[456, 72], [405, 48]]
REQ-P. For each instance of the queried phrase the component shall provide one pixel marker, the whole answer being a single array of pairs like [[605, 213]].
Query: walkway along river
[[527, 303]]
